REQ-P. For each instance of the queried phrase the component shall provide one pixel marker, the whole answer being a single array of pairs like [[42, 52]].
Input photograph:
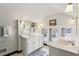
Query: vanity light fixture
[[40, 25], [69, 8]]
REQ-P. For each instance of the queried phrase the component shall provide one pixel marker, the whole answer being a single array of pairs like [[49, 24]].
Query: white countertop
[[73, 49], [28, 35]]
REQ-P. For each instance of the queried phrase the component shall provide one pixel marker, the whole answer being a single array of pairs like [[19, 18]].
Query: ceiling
[[32, 11]]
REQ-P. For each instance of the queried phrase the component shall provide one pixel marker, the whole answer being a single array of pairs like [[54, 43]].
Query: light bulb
[[71, 21]]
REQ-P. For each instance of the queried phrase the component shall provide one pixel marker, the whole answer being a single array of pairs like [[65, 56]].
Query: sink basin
[[65, 42]]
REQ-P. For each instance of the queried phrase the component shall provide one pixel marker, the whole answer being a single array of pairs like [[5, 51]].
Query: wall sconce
[[40, 25]]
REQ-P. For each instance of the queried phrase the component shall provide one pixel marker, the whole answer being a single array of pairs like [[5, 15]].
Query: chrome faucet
[[72, 42]]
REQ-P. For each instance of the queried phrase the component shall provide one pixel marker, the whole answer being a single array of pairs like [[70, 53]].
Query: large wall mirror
[[54, 34], [66, 32]]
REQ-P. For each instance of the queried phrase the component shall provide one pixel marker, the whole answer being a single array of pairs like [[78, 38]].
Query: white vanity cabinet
[[31, 44], [30, 35], [27, 46], [38, 42]]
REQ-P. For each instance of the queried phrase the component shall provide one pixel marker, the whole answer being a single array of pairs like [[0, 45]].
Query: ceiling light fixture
[[69, 8]]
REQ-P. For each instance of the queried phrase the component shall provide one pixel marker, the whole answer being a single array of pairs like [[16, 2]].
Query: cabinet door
[[29, 46], [33, 44], [38, 42], [41, 41]]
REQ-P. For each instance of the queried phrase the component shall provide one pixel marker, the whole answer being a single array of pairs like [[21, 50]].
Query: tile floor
[[45, 48], [17, 54]]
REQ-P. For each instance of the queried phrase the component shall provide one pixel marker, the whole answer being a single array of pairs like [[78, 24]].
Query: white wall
[[9, 42]]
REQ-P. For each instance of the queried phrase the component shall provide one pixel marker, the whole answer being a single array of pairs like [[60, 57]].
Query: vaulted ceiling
[[30, 10]]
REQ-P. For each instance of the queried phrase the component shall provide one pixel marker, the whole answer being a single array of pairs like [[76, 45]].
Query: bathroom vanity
[[64, 40], [30, 44], [30, 36], [73, 50]]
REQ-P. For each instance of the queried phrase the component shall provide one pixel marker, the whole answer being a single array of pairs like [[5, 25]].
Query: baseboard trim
[[13, 52]]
